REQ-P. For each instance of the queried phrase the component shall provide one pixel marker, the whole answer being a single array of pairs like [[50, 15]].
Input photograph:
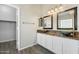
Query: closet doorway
[[8, 29]]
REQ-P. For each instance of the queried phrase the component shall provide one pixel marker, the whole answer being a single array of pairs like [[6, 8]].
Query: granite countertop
[[55, 33]]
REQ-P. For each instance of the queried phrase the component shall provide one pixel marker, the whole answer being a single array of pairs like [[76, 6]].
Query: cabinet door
[[57, 45], [45, 41], [38, 38], [70, 46], [41, 39], [49, 40]]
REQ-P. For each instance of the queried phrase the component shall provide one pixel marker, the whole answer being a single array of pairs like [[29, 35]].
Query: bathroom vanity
[[65, 39], [57, 43]]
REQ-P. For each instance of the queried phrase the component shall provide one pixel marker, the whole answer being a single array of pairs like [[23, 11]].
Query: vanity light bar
[[56, 9]]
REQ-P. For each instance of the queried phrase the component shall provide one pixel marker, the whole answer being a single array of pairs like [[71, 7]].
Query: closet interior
[[7, 29]]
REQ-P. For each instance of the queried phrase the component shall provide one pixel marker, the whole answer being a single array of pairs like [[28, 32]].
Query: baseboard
[[7, 41], [27, 47]]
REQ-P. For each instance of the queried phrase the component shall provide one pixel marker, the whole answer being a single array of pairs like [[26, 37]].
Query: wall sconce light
[[55, 10]]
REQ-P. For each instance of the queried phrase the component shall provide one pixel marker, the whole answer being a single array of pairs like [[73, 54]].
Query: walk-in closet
[[7, 29]]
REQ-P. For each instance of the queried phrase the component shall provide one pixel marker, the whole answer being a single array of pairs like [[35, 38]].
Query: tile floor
[[10, 48]]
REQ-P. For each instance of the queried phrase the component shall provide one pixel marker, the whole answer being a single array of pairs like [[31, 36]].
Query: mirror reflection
[[48, 22], [67, 19]]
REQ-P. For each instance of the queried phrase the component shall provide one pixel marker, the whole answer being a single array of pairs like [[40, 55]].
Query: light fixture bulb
[[49, 12], [52, 11], [60, 8], [56, 9]]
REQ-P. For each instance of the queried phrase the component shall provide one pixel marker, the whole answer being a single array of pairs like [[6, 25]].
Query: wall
[[7, 12], [47, 7], [28, 14], [7, 29]]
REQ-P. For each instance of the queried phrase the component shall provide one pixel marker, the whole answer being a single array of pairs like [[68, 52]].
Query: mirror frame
[[51, 19], [75, 19], [40, 21]]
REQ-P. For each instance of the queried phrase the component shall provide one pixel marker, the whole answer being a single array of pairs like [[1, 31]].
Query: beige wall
[[28, 14]]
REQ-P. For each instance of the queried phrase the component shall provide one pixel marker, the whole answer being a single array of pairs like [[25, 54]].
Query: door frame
[[17, 25]]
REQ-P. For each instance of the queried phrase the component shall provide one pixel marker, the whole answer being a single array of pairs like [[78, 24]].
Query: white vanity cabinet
[[57, 44], [65, 45], [70, 46], [49, 42], [41, 39], [44, 40]]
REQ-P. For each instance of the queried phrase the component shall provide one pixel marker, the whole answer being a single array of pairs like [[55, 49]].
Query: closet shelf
[[8, 20]]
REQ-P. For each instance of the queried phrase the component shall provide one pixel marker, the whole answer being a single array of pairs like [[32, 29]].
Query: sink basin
[[43, 31], [67, 33]]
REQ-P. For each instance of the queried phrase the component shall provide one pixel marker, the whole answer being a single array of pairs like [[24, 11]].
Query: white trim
[[27, 46], [8, 20], [19, 31], [7, 40]]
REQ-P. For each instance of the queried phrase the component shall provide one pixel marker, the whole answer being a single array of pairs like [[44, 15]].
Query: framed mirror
[[41, 22], [67, 20], [48, 22]]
